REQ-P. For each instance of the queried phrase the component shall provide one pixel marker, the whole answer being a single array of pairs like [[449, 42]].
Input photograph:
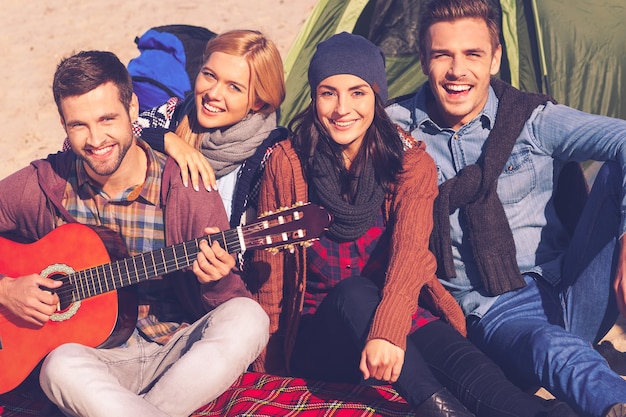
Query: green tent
[[574, 50]]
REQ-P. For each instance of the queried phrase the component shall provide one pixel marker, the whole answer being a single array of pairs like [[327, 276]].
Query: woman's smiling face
[[345, 106], [222, 91]]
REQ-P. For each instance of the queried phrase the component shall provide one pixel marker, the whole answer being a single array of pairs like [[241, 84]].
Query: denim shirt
[[552, 136]]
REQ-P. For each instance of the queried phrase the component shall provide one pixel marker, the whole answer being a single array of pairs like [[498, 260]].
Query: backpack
[[169, 59]]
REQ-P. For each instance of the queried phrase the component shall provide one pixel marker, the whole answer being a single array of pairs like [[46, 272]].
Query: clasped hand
[[381, 360]]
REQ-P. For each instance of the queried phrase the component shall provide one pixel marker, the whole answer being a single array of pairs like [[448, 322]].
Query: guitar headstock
[[300, 224]]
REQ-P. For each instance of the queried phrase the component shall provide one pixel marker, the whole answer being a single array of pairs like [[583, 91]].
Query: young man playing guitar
[[197, 330]]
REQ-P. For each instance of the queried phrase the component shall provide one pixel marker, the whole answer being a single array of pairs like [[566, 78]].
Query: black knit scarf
[[473, 190], [350, 221]]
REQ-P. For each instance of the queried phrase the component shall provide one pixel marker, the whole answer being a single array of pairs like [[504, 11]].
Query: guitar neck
[[129, 271], [283, 229]]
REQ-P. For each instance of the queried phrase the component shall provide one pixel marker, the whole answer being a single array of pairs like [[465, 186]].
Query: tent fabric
[[574, 50], [326, 19], [585, 49]]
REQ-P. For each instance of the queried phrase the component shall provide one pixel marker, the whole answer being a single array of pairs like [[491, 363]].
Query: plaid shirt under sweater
[[136, 216], [330, 262]]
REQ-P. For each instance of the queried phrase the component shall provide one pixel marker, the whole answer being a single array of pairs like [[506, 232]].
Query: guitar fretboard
[[297, 225], [129, 271]]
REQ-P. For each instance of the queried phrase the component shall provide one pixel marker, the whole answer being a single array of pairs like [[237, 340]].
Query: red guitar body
[[98, 301], [96, 321]]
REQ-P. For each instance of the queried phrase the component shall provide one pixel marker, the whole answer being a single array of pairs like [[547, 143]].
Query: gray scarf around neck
[[227, 149], [350, 221]]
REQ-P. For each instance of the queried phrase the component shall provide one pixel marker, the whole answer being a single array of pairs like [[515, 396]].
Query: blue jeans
[[543, 335]]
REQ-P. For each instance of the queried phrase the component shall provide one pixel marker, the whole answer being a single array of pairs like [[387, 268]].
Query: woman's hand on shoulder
[[193, 164], [381, 360]]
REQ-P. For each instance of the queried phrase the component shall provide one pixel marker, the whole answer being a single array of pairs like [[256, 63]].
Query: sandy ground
[[35, 35]]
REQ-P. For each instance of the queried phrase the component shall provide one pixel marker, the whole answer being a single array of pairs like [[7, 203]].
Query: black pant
[[329, 345]]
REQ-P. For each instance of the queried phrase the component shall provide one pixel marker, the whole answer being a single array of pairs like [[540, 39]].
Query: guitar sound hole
[[65, 296]]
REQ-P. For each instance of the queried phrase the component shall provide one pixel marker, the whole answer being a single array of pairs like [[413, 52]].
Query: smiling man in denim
[[536, 295]]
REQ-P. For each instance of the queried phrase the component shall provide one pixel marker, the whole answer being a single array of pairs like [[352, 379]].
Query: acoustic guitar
[[97, 302]]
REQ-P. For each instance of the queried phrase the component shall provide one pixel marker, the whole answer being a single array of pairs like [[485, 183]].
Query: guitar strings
[[78, 281], [86, 281], [137, 268]]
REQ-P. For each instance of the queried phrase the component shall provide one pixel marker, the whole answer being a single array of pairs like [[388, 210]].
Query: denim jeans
[[543, 335], [329, 346], [146, 379]]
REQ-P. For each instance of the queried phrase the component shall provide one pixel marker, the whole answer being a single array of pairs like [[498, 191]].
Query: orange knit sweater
[[278, 281]]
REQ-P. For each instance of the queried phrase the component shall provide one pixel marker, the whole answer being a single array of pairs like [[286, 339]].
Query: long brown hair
[[381, 144]]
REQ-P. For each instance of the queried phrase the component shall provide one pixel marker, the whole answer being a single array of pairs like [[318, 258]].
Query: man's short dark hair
[[435, 11], [86, 71]]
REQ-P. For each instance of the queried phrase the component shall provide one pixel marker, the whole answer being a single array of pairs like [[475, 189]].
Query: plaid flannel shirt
[[330, 262], [136, 216]]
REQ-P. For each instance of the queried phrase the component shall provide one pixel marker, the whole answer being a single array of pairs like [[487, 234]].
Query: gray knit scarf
[[227, 149], [350, 221]]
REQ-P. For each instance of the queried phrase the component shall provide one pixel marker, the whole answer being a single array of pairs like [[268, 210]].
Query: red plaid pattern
[[330, 262], [255, 394]]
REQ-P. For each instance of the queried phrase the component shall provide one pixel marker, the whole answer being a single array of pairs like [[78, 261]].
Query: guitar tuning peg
[[307, 243]]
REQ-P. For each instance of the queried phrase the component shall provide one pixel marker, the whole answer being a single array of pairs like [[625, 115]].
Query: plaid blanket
[[255, 394]]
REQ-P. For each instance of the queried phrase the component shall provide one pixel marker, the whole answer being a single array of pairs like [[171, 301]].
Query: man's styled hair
[[435, 11], [86, 71]]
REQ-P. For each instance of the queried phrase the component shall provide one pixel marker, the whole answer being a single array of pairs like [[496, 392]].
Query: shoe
[[558, 408], [442, 404], [617, 410], [615, 358]]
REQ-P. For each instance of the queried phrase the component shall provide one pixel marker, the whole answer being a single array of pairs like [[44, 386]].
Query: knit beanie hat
[[346, 53]]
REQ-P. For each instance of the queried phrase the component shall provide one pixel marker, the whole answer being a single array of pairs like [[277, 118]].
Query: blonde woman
[[221, 131]]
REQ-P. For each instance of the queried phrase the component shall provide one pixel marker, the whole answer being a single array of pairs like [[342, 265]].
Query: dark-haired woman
[[363, 302]]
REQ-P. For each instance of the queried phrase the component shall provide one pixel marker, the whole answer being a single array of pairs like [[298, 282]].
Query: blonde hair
[[267, 78]]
